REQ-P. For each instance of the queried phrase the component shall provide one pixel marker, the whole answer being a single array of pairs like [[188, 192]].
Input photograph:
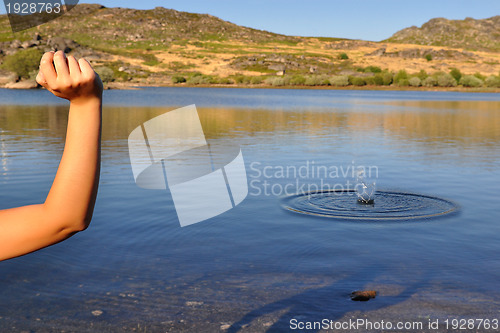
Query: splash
[[365, 189]]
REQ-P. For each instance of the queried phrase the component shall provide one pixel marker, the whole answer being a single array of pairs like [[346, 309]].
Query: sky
[[358, 19]]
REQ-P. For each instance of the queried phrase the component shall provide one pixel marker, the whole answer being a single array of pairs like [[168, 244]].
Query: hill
[[164, 46], [470, 34]]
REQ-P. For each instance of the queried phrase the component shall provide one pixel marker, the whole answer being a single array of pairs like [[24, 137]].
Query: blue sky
[[363, 19]]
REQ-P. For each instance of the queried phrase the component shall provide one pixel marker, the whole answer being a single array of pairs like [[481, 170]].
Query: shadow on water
[[331, 302]]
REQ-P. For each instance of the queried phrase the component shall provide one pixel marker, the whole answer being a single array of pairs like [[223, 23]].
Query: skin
[[69, 205]]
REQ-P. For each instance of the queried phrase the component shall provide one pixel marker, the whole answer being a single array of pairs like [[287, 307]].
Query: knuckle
[[64, 84], [51, 86]]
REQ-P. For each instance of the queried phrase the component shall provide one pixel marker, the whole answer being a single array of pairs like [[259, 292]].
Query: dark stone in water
[[363, 295], [366, 202]]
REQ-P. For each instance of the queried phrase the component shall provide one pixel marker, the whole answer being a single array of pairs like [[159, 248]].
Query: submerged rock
[[363, 295]]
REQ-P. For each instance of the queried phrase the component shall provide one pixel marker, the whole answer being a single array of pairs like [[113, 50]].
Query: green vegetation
[[401, 78], [470, 81], [372, 69], [493, 81], [384, 78], [199, 78], [415, 81], [455, 72], [23, 62], [105, 73], [298, 80], [339, 81], [357, 81], [150, 59], [343, 56], [446, 80], [430, 82], [178, 79], [182, 46]]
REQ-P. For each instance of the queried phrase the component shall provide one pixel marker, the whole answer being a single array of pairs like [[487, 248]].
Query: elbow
[[71, 225], [68, 222], [77, 225]]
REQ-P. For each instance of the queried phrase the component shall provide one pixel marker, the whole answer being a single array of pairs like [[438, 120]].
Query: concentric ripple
[[388, 205]]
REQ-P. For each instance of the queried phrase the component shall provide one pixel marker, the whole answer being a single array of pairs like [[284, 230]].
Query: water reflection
[[257, 264], [426, 125]]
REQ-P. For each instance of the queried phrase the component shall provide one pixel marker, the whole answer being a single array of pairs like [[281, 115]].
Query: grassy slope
[[168, 42]]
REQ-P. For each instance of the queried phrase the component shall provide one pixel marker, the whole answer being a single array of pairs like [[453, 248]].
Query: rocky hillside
[[471, 34], [104, 28], [164, 46]]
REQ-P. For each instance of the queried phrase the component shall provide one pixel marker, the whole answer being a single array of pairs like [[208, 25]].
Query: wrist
[[94, 101]]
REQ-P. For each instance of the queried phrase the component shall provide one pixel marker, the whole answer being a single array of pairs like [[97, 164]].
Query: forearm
[[73, 193], [69, 205], [70, 202]]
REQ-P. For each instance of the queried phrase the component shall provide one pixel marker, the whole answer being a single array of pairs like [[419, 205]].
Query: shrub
[[370, 80], [401, 75], [225, 80], [339, 81], [105, 73], [150, 59], [200, 79], [415, 82], [316, 80], [357, 81], [470, 81], [403, 83], [428, 57], [239, 78], [492, 81], [276, 81], [387, 78], [373, 69], [378, 79], [343, 56], [256, 80], [178, 79], [430, 82], [480, 76], [311, 81], [455, 72], [23, 62], [446, 80], [247, 79], [422, 75], [324, 80], [298, 80]]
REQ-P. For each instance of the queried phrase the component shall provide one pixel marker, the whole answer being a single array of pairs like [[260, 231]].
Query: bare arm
[[70, 202]]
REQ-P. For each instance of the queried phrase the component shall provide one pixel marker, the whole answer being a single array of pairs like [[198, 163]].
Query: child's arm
[[70, 202]]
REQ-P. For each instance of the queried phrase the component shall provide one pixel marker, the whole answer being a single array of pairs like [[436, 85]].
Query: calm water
[[257, 266]]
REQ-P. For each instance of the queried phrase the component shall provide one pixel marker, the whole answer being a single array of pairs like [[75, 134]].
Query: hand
[[73, 80]]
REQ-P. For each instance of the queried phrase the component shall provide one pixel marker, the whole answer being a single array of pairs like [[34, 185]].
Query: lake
[[259, 267]]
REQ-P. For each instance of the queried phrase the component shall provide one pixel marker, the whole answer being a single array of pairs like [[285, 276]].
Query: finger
[[41, 79], [86, 69], [47, 68], [61, 64], [74, 67]]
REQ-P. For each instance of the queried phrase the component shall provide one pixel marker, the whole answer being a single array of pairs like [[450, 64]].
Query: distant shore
[[125, 86], [135, 85]]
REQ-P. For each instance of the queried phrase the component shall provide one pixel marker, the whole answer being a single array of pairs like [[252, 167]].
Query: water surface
[[258, 266]]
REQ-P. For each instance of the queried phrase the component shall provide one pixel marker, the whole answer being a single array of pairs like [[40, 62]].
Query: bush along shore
[[18, 70], [368, 78]]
